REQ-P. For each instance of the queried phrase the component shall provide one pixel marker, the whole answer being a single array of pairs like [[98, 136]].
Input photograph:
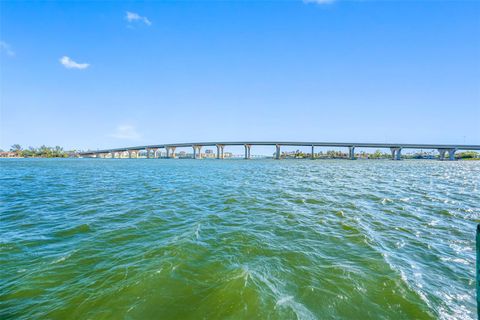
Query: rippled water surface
[[259, 239]]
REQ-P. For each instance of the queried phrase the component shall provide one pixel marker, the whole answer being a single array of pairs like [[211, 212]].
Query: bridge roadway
[[395, 148]]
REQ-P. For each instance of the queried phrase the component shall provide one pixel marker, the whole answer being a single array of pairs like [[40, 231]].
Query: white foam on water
[[298, 308], [244, 274], [63, 258], [284, 300], [456, 260], [197, 231], [433, 223]]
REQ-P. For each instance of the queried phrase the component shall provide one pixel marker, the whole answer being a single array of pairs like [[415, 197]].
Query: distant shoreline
[[240, 158]]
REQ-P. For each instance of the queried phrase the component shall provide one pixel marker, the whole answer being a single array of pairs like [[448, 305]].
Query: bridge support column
[[396, 153], [170, 152], [112, 155], [148, 153], [351, 153], [312, 154], [197, 152], [451, 154], [247, 151], [129, 154], [220, 151], [399, 154], [277, 151], [441, 153]]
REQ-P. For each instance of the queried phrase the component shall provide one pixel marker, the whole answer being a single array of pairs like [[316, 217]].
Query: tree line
[[41, 152], [378, 154]]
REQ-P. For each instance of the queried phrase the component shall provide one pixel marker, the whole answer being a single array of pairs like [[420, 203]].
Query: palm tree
[[16, 148]]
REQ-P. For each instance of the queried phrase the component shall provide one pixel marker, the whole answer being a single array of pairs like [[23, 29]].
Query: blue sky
[[110, 74]]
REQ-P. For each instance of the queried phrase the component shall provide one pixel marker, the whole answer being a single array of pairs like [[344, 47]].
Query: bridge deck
[[292, 143]]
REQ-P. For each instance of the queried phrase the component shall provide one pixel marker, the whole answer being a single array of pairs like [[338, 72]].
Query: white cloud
[[127, 132], [132, 16], [5, 47], [70, 64], [319, 1]]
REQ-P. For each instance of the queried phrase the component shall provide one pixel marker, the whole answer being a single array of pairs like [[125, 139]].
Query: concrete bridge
[[446, 152]]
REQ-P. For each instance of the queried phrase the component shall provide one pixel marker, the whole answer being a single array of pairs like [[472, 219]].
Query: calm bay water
[[259, 239]]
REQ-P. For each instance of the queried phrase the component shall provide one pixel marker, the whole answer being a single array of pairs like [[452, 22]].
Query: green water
[[236, 239]]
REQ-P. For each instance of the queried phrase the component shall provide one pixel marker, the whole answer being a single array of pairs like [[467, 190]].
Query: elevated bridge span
[[445, 151]]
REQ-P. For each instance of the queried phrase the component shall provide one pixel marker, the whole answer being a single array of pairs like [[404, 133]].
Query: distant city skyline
[[105, 74]]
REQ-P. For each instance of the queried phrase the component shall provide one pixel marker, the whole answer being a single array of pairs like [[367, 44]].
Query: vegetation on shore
[[42, 152], [468, 155], [378, 154]]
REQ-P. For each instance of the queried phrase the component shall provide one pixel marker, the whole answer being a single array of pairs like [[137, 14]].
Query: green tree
[[16, 148], [468, 155], [377, 154]]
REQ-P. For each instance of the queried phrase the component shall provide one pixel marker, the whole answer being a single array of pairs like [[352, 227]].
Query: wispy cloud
[[319, 1], [132, 17], [5, 47], [70, 64], [127, 132]]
